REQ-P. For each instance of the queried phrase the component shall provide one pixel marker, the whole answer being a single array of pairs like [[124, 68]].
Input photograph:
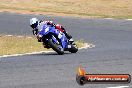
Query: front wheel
[[56, 47]]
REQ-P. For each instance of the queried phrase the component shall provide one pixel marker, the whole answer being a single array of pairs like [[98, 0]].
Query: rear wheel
[[73, 48], [56, 47]]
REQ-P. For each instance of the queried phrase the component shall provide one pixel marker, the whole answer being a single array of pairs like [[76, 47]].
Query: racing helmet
[[34, 23]]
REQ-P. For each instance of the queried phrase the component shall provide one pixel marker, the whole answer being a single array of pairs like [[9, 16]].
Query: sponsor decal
[[83, 78]]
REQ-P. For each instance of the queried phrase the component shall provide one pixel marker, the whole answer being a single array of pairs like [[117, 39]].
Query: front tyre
[[56, 47]]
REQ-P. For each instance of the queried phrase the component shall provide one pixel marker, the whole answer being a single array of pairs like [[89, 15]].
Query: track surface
[[112, 54]]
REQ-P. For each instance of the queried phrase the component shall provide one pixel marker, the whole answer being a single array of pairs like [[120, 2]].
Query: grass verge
[[20, 45], [88, 8]]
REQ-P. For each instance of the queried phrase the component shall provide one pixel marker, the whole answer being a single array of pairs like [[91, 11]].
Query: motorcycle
[[55, 39]]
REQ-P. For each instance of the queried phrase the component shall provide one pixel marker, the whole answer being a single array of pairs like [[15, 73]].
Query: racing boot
[[69, 37], [71, 41]]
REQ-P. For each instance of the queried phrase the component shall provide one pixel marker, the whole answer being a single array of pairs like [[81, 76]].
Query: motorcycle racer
[[37, 25]]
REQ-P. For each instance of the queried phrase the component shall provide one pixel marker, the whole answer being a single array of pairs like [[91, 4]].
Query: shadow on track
[[50, 54]]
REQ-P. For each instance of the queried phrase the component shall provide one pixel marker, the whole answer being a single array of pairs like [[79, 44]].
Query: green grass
[[20, 45]]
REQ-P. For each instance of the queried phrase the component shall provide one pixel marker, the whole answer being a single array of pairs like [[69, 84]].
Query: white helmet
[[33, 22]]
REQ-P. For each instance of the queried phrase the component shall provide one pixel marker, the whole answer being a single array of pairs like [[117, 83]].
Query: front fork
[[60, 37]]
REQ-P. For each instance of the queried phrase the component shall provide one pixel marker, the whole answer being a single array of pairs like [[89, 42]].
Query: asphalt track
[[112, 54]]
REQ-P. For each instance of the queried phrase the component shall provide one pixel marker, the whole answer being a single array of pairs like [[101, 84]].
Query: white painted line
[[17, 36], [8, 35], [15, 55], [20, 36], [129, 19], [29, 37], [119, 87], [109, 18], [115, 19]]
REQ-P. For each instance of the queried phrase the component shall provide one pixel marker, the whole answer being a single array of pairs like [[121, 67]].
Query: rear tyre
[[73, 48], [56, 47]]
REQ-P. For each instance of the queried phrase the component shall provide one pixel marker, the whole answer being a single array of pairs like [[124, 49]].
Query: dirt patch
[[87, 8]]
